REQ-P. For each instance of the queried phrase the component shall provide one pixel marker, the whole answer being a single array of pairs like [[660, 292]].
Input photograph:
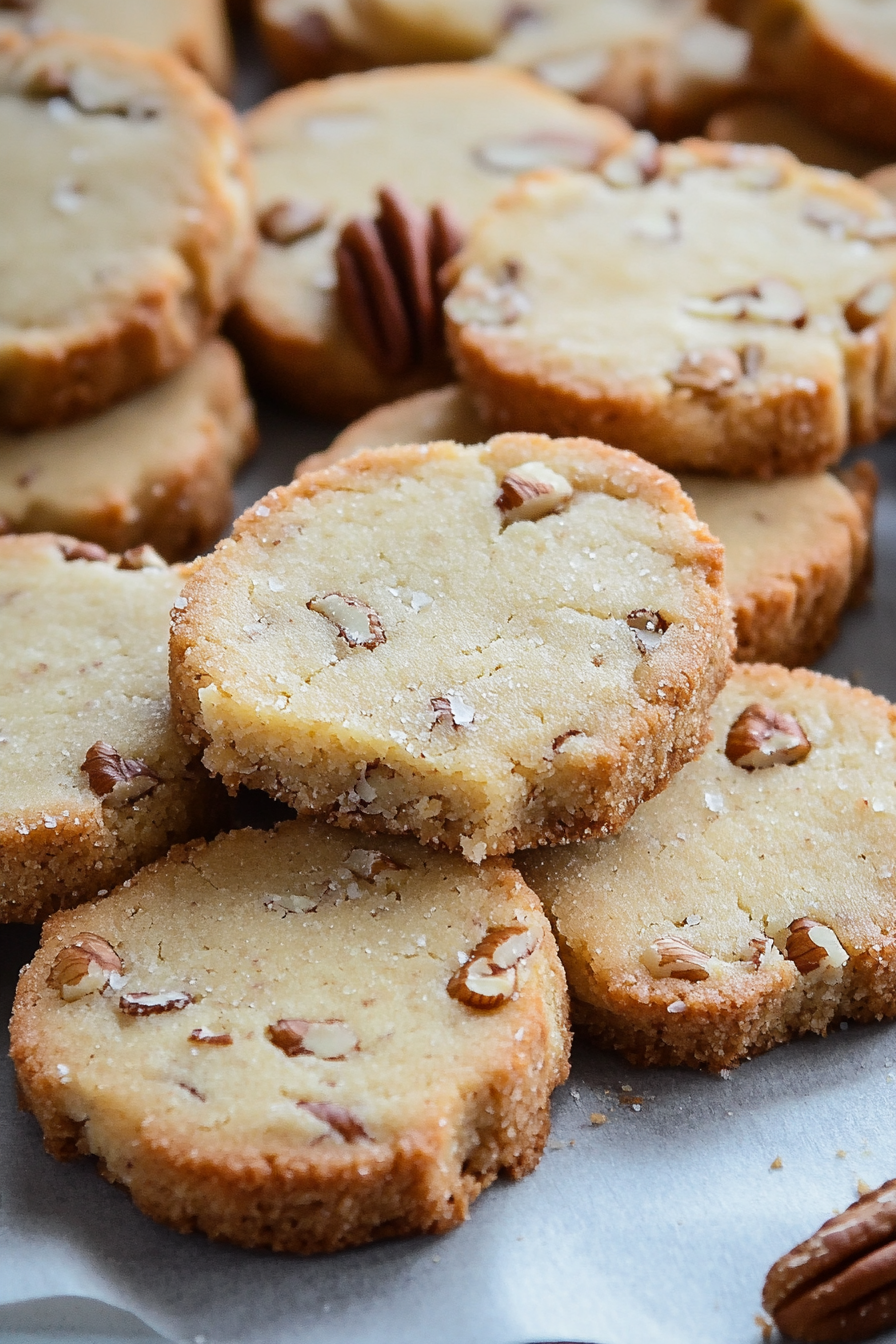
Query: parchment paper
[[655, 1228]]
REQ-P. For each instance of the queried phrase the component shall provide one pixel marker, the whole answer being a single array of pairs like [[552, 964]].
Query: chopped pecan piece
[[707, 370], [289, 219], [671, 956], [531, 491], [142, 1003], [840, 1284], [108, 772], [869, 305], [82, 550], [489, 977], [87, 964], [142, 557], [761, 737], [647, 627], [388, 290], [768, 301], [330, 1039], [205, 1037], [453, 709], [337, 1117], [538, 149], [358, 624], [367, 863], [809, 944]]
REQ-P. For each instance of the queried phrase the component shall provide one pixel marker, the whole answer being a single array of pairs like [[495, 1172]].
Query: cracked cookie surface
[[745, 905], [490, 647], [290, 1065], [126, 222]]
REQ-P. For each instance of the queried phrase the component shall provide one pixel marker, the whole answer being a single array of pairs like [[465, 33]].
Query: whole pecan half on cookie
[[840, 1285], [388, 285]]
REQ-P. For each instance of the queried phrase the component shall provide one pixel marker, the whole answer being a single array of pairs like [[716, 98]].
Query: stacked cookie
[[126, 228]]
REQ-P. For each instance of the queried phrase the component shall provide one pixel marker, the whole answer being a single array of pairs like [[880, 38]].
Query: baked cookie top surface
[[410, 606], [789, 816], [123, 181], [307, 1005], [696, 271]]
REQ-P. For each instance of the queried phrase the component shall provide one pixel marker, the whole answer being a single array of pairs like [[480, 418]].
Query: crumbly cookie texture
[[172, 487], [126, 222], [755, 899], [664, 64], [797, 550], [339, 1044], [713, 307], [490, 647], [770, 121], [195, 30], [96, 780], [451, 135], [835, 58]]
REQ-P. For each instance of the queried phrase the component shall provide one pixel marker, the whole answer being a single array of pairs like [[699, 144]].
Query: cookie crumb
[[862, 1186], [764, 1325], [598, 1118], [776, 1165]]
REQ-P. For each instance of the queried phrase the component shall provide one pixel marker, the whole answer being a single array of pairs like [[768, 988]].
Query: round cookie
[[339, 1044], [754, 900], [766, 121], [126, 222], [171, 487], [664, 64], [796, 549], [490, 647], [712, 307], [835, 58], [95, 779], [195, 30], [441, 135]]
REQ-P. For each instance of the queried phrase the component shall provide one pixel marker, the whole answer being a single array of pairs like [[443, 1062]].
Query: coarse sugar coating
[[447, 137], [712, 307], [797, 549], [755, 899], [95, 779], [491, 647], [157, 468], [287, 1039], [126, 222]]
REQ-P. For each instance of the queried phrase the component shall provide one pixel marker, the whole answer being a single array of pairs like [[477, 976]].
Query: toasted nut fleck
[[290, 219], [870, 305], [647, 627], [337, 1117], [671, 956], [368, 863], [809, 944], [143, 1004], [531, 491], [82, 550], [142, 557], [539, 149], [489, 977], [453, 709], [86, 965], [707, 370], [761, 737], [106, 771], [358, 624], [330, 1039], [838, 1285], [206, 1037]]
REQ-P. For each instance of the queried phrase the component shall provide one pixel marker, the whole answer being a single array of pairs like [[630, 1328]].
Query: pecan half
[[489, 977], [107, 772], [87, 964], [358, 624], [673, 957], [387, 280], [337, 1117], [761, 737], [810, 945], [330, 1039], [143, 1003], [840, 1284]]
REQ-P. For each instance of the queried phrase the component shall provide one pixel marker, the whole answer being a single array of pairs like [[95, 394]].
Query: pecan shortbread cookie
[[797, 550], [96, 781], [157, 468], [195, 30], [712, 307], [489, 647], [125, 227], [338, 1044], [835, 58], [755, 899], [340, 312]]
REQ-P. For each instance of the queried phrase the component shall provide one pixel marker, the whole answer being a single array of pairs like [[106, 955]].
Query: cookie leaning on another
[[796, 549], [339, 1044], [126, 222], [338, 314], [488, 647], [705, 305], [195, 30], [755, 899], [95, 779], [157, 468]]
